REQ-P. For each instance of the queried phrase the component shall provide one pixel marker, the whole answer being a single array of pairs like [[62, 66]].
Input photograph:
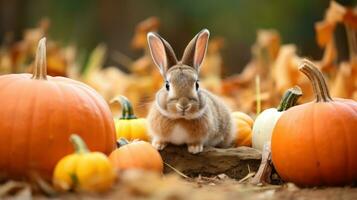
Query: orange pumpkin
[[244, 124], [136, 155], [38, 115], [316, 143]]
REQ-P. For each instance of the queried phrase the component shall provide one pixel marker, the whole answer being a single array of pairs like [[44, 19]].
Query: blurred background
[[253, 56], [89, 22]]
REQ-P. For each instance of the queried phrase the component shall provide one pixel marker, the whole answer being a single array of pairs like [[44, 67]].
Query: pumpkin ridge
[[69, 122], [61, 91], [76, 98], [90, 91], [99, 113], [315, 145], [133, 157], [148, 162], [9, 161], [30, 133], [138, 154], [317, 156], [106, 125], [46, 127], [345, 136], [57, 91]]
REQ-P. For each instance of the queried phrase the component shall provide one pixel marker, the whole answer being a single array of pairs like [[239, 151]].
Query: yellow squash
[[128, 126], [244, 124], [84, 170]]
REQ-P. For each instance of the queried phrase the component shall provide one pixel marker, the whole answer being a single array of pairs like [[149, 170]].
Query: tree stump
[[234, 162]]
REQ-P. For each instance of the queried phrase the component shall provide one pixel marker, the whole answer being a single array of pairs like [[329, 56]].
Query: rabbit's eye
[[167, 85], [197, 85]]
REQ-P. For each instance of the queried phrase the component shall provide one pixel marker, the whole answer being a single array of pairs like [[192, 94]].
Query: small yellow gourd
[[244, 124], [83, 170], [128, 126]]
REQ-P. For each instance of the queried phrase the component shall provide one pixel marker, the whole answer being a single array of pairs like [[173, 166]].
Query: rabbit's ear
[[196, 50], [161, 52]]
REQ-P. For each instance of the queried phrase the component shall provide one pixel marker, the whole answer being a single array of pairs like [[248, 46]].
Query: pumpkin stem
[[289, 98], [317, 80], [121, 142], [78, 144], [127, 108], [40, 68]]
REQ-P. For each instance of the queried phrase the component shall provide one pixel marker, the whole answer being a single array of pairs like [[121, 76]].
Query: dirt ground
[[143, 185]]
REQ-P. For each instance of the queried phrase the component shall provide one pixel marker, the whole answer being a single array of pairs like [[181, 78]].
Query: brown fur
[[214, 125], [162, 126]]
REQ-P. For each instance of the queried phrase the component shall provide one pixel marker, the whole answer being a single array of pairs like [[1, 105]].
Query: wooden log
[[234, 162]]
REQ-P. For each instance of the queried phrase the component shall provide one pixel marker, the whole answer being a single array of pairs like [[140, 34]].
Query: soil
[[213, 174]]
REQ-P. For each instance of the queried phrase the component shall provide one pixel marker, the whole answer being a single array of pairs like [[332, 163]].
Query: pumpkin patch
[[40, 114], [202, 100], [312, 140]]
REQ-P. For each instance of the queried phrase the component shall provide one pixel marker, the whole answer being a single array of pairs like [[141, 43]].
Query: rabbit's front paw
[[195, 148], [159, 145]]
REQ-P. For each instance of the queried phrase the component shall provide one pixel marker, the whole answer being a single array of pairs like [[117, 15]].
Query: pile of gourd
[[44, 117], [314, 143]]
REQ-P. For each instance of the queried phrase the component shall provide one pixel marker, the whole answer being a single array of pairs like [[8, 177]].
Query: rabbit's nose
[[183, 107]]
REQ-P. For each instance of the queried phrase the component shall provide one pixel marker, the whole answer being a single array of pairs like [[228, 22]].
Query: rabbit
[[184, 113]]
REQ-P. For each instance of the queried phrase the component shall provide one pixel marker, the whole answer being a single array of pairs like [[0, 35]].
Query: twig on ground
[[265, 168]]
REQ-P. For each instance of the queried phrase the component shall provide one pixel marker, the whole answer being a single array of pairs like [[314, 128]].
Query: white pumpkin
[[263, 127], [265, 122]]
